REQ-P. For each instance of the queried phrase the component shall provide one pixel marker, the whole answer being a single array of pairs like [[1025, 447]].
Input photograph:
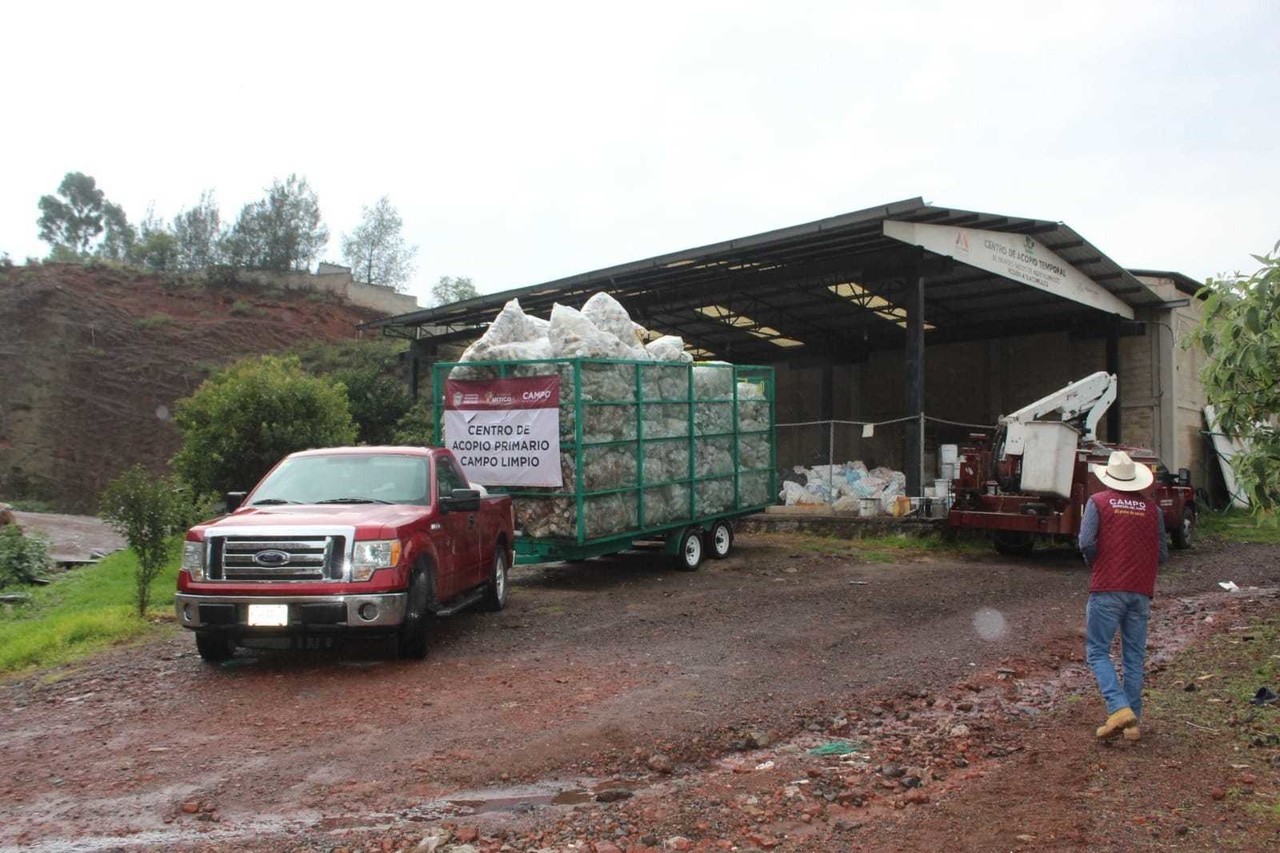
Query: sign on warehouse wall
[[505, 432], [1018, 257]]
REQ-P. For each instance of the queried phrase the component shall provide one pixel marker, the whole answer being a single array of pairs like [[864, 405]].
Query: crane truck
[[1029, 482]]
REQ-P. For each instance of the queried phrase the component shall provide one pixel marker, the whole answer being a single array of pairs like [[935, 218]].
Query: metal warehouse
[[901, 327]]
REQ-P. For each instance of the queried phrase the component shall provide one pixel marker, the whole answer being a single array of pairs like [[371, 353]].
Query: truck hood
[[370, 520]]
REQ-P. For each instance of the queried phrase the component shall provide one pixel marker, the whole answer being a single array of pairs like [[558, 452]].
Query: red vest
[[1128, 550]]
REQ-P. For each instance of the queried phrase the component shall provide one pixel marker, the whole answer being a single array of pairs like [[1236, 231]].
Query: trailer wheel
[[1013, 543], [415, 633], [495, 593], [1185, 532], [689, 554], [215, 646], [720, 540]]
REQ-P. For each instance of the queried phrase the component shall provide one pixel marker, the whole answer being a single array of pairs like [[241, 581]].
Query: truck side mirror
[[461, 500], [233, 500], [1184, 476]]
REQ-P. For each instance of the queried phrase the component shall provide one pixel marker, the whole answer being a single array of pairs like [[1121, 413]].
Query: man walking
[[1122, 539]]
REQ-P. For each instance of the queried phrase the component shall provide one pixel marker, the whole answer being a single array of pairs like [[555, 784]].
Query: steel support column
[[914, 451], [1113, 367]]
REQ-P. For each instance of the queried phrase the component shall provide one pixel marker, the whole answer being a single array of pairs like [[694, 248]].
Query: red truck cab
[[362, 541]]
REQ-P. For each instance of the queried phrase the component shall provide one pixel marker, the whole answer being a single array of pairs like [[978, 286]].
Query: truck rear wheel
[[720, 540], [215, 646], [414, 637], [1013, 543], [690, 550], [1185, 532], [495, 594]]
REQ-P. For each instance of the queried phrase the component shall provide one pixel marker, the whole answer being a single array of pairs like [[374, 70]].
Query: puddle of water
[[515, 799]]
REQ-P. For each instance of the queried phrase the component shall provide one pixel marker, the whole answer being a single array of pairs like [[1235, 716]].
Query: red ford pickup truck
[[351, 540]]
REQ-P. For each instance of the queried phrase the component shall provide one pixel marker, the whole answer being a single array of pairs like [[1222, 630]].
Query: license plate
[[269, 615]]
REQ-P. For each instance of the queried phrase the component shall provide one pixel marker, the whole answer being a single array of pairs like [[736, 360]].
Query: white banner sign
[[505, 432], [1015, 256]]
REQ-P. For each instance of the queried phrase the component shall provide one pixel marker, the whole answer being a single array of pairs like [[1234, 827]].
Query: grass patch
[[883, 547], [242, 308], [31, 505], [1238, 525], [154, 321], [82, 611], [1207, 689]]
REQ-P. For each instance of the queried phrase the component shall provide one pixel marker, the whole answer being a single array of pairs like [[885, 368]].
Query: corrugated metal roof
[[782, 279]]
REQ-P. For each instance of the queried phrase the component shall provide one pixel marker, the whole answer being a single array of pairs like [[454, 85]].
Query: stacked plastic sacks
[[843, 487], [604, 330]]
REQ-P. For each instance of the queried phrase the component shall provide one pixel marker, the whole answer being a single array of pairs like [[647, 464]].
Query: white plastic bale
[[573, 335], [665, 461], [609, 316], [666, 503], [714, 496], [556, 517], [668, 348]]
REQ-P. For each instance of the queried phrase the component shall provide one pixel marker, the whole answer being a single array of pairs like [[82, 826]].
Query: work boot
[[1117, 722], [1132, 733]]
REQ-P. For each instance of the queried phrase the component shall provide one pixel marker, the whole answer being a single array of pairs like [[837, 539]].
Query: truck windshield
[[346, 478]]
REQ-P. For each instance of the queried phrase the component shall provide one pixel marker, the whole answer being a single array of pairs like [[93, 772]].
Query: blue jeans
[[1106, 613]]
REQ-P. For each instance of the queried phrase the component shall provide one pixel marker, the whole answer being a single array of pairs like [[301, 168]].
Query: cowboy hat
[[1122, 474]]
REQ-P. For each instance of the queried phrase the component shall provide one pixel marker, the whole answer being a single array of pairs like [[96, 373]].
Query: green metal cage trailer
[[648, 451]]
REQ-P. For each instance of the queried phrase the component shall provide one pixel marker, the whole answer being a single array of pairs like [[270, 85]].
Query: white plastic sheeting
[[844, 487]]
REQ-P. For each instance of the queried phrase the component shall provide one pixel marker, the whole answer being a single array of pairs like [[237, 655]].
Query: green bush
[[241, 308], [148, 511], [23, 559], [372, 373], [244, 419]]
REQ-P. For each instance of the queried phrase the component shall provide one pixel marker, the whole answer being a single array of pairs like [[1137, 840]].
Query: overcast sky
[[523, 142]]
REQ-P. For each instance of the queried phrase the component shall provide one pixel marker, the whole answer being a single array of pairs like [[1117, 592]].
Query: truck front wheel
[[1185, 531], [215, 646], [414, 636]]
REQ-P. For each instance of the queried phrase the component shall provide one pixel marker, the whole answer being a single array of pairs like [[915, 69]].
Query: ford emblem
[[271, 559]]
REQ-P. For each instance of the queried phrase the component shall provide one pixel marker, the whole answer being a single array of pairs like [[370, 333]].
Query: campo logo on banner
[[505, 432]]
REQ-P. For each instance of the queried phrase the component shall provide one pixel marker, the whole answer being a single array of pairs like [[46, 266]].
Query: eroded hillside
[[92, 362]]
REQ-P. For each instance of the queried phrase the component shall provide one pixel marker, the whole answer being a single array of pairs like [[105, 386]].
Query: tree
[[154, 247], [74, 221], [281, 232], [118, 235], [148, 512], [1240, 334], [198, 234], [375, 251], [244, 419], [449, 290]]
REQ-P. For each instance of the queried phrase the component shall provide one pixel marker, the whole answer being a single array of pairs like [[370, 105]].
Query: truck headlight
[[371, 556], [193, 559]]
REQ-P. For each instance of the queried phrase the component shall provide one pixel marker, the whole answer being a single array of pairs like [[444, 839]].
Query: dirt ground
[[619, 705]]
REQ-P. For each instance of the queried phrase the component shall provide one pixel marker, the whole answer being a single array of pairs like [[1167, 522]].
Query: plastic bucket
[[941, 488], [869, 507], [949, 454]]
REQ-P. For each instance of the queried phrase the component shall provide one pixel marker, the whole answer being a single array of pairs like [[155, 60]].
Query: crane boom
[[1081, 404]]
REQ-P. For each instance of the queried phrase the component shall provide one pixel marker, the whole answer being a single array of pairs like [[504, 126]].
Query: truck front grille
[[291, 558]]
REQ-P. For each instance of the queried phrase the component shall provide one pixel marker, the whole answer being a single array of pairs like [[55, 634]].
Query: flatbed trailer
[[650, 451]]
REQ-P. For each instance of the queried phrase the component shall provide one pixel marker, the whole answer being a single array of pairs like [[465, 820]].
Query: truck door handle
[[471, 521]]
